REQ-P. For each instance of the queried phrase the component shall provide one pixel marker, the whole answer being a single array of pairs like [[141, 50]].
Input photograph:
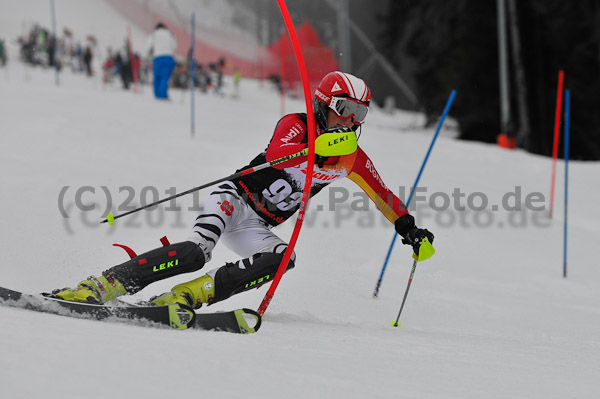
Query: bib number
[[282, 195]]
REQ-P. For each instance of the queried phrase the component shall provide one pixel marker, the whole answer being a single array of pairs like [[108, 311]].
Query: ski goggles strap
[[348, 107]]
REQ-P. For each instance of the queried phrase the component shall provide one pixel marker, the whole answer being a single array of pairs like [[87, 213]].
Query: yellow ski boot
[[98, 290], [193, 293]]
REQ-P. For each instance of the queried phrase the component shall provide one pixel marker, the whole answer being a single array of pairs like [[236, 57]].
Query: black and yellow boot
[[228, 280], [135, 274], [193, 293], [97, 290]]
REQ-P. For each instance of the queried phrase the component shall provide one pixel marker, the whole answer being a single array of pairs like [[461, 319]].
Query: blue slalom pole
[[192, 65], [567, 111], [389, 253]]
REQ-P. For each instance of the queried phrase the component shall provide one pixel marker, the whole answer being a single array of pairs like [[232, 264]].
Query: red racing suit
[[275, 193]]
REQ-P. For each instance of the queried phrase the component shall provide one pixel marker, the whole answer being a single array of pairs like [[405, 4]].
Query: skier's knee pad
[[248, 273], [158, 264]]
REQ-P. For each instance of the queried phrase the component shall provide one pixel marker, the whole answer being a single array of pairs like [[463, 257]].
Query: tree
[[565, 36], [454, 46]]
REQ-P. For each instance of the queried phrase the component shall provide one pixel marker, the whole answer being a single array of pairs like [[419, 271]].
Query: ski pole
[[425, 252], [410, 279], [389, 253], [330, 144], [110, 219]]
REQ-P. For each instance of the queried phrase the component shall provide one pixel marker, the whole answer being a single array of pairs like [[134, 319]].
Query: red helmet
[[347, 95]]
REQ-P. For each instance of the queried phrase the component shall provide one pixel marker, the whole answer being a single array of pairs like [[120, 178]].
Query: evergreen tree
[[563, 35], [455, 46]]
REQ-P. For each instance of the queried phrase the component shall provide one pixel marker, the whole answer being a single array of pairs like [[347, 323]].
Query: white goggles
[[346, 108]]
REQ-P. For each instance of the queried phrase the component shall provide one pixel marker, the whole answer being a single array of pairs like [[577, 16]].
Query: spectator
[[162, 45], [2, 53], [87, 60], [109, 67], [136, 64], [237, 76], [123, 65]]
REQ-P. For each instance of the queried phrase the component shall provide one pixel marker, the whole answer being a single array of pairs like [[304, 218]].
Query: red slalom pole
[[311, 157], [559, 91]]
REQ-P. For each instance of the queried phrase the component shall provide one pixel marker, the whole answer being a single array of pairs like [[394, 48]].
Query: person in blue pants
[[162, 45], [163, 67]]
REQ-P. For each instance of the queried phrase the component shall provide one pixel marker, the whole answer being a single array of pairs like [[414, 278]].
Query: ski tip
[[110, 219], [396, 324]]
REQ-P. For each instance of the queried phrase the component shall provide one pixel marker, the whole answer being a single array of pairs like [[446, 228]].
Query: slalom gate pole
[[111, 218], [311, 157], [567, 116], [410, 279], [559, 94], [387, 258], [192, 65]]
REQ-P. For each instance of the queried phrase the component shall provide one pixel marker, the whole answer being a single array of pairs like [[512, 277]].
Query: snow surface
[[489, 316]]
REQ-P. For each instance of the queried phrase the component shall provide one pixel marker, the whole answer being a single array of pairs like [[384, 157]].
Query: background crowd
[[125, 66]]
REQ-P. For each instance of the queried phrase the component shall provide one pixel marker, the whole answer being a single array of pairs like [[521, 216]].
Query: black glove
[[411, 234]]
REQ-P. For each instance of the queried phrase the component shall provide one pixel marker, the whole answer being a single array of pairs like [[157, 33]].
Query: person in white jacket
[[162, 45]]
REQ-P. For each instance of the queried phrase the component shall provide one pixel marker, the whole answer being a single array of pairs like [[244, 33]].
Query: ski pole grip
[[426, 251]]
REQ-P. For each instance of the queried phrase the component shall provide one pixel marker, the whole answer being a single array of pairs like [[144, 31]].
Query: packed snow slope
[[489, 316]]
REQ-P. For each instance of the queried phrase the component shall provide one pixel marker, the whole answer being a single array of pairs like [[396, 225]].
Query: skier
[[243, 211], [162, 45]]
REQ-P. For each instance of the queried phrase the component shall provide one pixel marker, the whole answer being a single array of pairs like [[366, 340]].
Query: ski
[[177, 316]]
